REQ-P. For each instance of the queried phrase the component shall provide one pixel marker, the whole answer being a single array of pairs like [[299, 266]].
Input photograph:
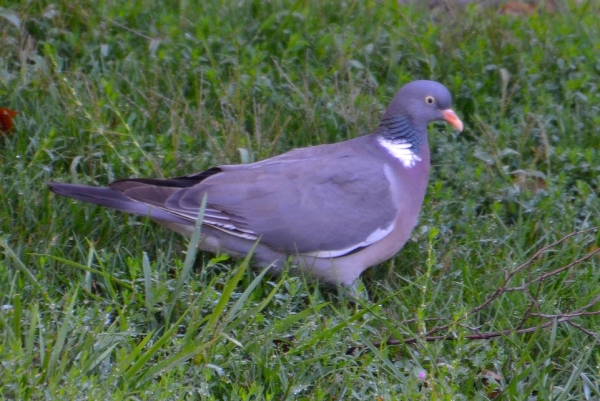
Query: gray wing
[[324, 201]]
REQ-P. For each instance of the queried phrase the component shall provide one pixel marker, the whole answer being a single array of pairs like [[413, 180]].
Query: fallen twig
[[551, 319]]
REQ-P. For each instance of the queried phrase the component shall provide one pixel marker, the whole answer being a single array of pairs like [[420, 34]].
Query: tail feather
[[113, 199]]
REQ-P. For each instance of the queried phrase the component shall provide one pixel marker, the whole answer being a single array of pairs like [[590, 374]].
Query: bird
[[331, 210]]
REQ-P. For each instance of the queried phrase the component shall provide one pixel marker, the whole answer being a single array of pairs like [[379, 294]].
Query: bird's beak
[[451, 117]]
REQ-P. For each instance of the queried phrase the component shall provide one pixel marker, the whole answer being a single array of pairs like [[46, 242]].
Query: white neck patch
[[401, 151]]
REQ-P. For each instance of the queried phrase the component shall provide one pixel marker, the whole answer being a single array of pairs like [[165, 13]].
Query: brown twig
[[553, 272], [551, 319], [583, 329], [478, 336], [501, 289]]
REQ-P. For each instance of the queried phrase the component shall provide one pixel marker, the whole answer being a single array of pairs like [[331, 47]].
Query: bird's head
[[424, 102]]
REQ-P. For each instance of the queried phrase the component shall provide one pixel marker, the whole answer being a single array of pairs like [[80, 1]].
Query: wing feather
[[326, 201]]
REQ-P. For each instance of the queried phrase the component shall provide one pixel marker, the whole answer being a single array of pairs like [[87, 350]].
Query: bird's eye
[[429, 99]]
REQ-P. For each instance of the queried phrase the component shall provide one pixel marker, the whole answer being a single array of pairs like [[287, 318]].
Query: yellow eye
[[429, 99]]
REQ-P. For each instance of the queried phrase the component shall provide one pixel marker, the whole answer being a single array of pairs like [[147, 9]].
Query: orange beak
[[451, 117]]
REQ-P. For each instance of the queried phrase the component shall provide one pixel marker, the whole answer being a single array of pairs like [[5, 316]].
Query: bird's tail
[[111, 198]]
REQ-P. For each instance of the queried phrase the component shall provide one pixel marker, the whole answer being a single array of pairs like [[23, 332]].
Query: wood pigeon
[[333, 210]]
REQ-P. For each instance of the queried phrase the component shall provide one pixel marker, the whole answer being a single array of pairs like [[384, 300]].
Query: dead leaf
[[525, 8], [518, 8], [489, 378], [530, 181], [284, 344], [6, 122]]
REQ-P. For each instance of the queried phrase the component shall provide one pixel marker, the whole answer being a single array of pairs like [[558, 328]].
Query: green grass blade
[[229, 288], [231, 314], [172, 362], [286, 323], [253, 311], [134, 372], [58, 346], [17, 310], [30, 277], [148, 298], [100, 273], [188, 264]]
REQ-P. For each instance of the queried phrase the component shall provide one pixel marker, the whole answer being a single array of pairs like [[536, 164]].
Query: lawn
[[496, 295]]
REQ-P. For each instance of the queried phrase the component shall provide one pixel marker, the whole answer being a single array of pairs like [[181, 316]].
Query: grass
[[96, 304]]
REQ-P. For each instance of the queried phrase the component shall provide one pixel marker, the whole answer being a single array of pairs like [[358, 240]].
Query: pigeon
[[331, 210]]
